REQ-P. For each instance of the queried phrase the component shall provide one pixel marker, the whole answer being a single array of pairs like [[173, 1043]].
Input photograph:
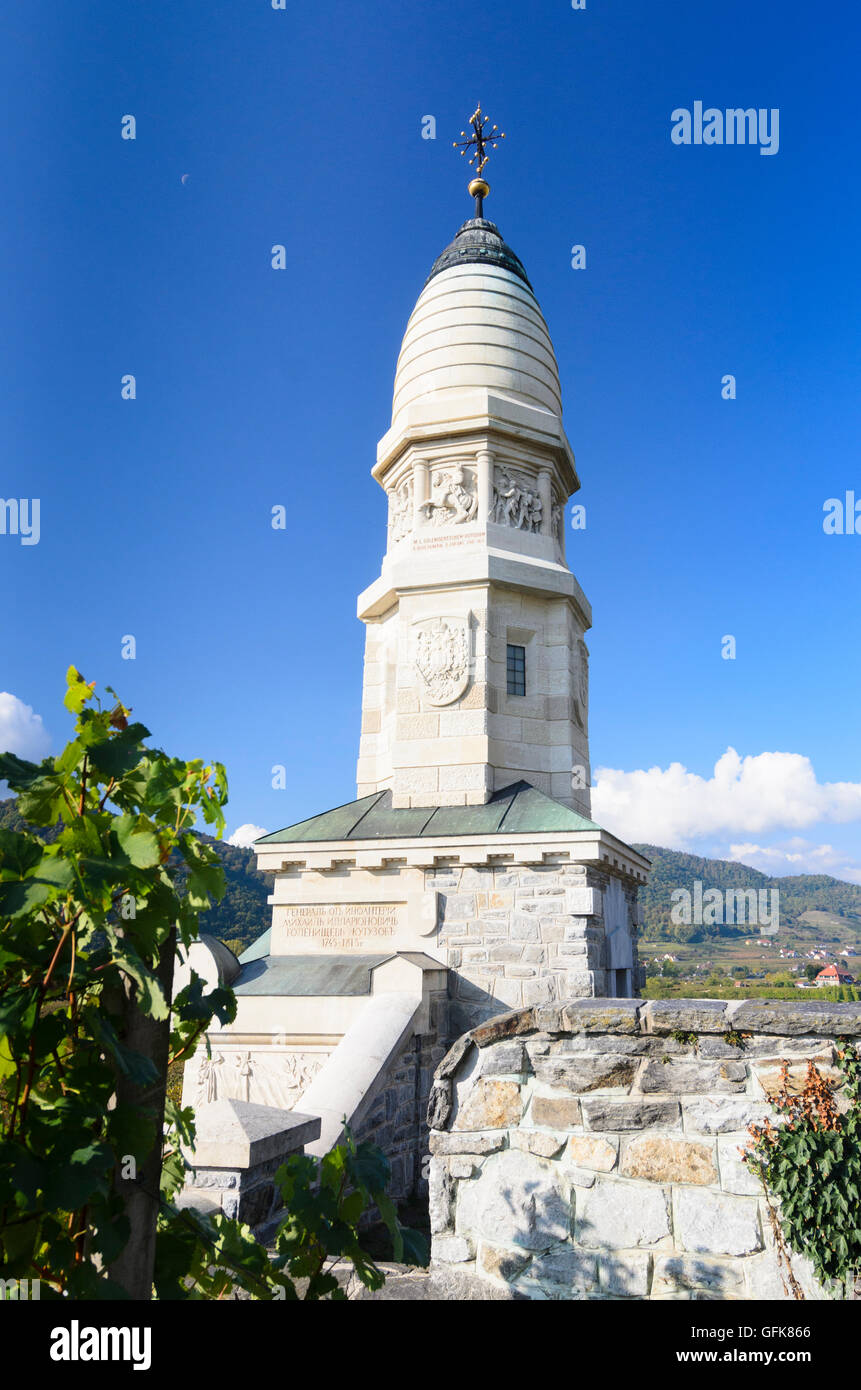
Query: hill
[[812, 906]]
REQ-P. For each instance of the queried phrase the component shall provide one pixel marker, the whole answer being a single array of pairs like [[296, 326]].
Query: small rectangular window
[[516, 669]]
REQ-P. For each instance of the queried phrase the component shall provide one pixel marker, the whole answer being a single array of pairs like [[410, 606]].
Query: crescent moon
[[184, 179]]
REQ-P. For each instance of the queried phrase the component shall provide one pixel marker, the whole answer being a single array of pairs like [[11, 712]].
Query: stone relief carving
[[558, 516], [581, 700], [442, 658], [454, 498], [515, 503], [261, 1075], [401, 511], [207, 1077]]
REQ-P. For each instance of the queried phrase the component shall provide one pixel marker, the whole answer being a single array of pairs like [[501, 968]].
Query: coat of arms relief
[[442, 658]]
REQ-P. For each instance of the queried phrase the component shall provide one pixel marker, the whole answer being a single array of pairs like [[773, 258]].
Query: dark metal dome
[[478, 243]]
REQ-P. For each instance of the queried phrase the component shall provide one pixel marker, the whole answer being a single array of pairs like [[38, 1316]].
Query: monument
[[468, 877]]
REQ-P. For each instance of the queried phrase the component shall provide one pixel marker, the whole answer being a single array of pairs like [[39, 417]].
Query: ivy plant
[[810, 1165]]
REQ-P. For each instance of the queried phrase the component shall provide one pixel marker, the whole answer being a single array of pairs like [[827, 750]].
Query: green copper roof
[[309, 975], [516, 810], [258, 949]]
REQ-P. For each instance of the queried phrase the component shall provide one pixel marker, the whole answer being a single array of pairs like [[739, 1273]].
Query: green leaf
[[78, 692], [138, 840], [18, 773], [18, 853], [120, 752]]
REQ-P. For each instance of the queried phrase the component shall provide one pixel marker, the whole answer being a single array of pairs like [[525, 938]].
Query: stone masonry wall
[[591, 1150], [397, 1120], [527, 935]]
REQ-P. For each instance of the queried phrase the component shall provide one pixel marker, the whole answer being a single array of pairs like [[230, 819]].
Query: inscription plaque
[[339, 926]]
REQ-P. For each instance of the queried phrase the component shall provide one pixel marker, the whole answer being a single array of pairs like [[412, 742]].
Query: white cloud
[[797, 856], [22, 730], [245, 835], [745, 796]]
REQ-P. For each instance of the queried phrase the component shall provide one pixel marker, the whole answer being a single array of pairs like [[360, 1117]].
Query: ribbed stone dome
[[477, 324]]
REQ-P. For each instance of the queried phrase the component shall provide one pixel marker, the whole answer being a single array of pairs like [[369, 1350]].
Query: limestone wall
[[397, 1120], [524, 935], [591, 1150]]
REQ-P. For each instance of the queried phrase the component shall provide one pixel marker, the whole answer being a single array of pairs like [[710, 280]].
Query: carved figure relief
[[453, 500], [207, 1076], [581, 700], [442, 658], [515, 503], [260, 1075], [245, 1072], [557, 522], [401, 511]]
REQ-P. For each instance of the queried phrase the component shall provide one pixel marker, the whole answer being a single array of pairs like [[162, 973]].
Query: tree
[[91, 916]]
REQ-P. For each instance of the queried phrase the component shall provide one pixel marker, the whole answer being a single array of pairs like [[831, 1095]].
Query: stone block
[[625, 1275], [538, 1142], [518, 1201], [581, 901], [618, 1215], [735, 1175], [676, 1273], [463, 1166], [721, 1114], [567, 1268], [715, 1223], [685, 1015], [630, 1114], [501, 1264], [489, 1105], [539, 991], [787, 1016], [478, 1144], [683, 1076], [669, 1160], [523, 928], [508, 1025], [504, 1058], [451, 1250], [592, 1151], [562, 1112], [439, 1198], [770, 1078], [601, 1016], [585, 1073]]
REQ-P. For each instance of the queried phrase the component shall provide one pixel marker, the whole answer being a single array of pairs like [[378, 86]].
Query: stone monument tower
[[476, 667], [467, 878]]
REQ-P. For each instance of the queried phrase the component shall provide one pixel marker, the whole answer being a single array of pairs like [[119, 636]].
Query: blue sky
[[256, 387]]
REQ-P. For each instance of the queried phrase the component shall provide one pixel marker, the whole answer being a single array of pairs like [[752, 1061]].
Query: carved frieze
[[401, 511], [265, 1076], [453, 499], [581, 699], [515, 502]]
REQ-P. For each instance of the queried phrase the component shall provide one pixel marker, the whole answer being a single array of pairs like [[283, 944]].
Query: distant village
[[830, 972]]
